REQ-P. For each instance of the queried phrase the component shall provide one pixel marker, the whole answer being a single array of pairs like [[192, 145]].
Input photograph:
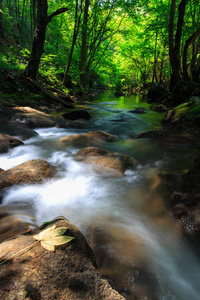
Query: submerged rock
[[114, 164], [79, 124], [7, 142], [92, 138], [29, 172], [138, 110], [69, 272]]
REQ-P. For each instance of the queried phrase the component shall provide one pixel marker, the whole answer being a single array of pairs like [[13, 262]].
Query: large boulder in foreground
[[29, 172], [92, 138], [69, 272], [108, 163], [7, 142]]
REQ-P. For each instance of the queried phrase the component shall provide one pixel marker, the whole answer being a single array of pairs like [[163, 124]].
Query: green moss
[[189, 110]]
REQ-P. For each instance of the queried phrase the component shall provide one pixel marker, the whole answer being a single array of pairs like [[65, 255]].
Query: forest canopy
[[102, 43]]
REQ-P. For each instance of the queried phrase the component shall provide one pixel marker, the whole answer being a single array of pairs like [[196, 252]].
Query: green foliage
[[126, 43]]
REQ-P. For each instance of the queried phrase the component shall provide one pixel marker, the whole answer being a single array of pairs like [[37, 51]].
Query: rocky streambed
[[108, 183]]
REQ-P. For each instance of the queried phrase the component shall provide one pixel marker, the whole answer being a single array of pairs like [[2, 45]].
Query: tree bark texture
[[189, 41], [174, 45], [39, 37], [1, 20]]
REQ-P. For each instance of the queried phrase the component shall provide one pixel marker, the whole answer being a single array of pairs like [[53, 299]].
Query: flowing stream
[[139, 247]]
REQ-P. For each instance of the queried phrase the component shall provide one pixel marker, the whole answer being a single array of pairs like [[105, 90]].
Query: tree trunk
[[1, 20], [84, 43], [39, 37], [75, 34], [174, 48], [38, 40], [189, 41]]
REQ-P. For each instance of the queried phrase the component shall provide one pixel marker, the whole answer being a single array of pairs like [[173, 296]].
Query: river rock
[[11, 225], [7, 142], [69, 272], [32, 118], [156, 134], [138, 110], [184, 192], [7, 127], [92, 138], [160, 108], [79, 124], [106, 162], [29, 172], [77, 114]]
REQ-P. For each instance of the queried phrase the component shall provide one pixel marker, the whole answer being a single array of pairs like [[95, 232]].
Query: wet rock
[[15, 130], [184, 115], [77, 114], [92, 138], [7, 142], [69, 272], [32, 118], [161, 108], [113, 164], [156, 134], [29, 172], [185, 198], [11, 226], [138, 111], [79, 124]]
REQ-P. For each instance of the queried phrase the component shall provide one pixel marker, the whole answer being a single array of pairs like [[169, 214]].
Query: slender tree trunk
[[174, 46], [75, 34], [189, 41], [84, 46], [1, 20], [155, 61]]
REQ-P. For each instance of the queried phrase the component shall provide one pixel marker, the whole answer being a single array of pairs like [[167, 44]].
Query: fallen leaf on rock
[[52, 237]]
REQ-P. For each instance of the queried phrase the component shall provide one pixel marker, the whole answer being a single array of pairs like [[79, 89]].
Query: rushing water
[[137, 243]]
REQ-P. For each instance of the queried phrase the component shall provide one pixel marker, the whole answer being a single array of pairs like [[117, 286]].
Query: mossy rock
[[188, 111]]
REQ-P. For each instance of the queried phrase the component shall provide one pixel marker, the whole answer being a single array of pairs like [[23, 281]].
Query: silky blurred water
[[137, 243]]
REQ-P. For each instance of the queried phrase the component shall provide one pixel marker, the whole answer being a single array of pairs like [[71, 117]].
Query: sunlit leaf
[[52, 237], [45, 233], [47, 246], [59, 240]]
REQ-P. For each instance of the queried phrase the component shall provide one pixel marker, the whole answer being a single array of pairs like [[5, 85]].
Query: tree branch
[[56, 13]]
